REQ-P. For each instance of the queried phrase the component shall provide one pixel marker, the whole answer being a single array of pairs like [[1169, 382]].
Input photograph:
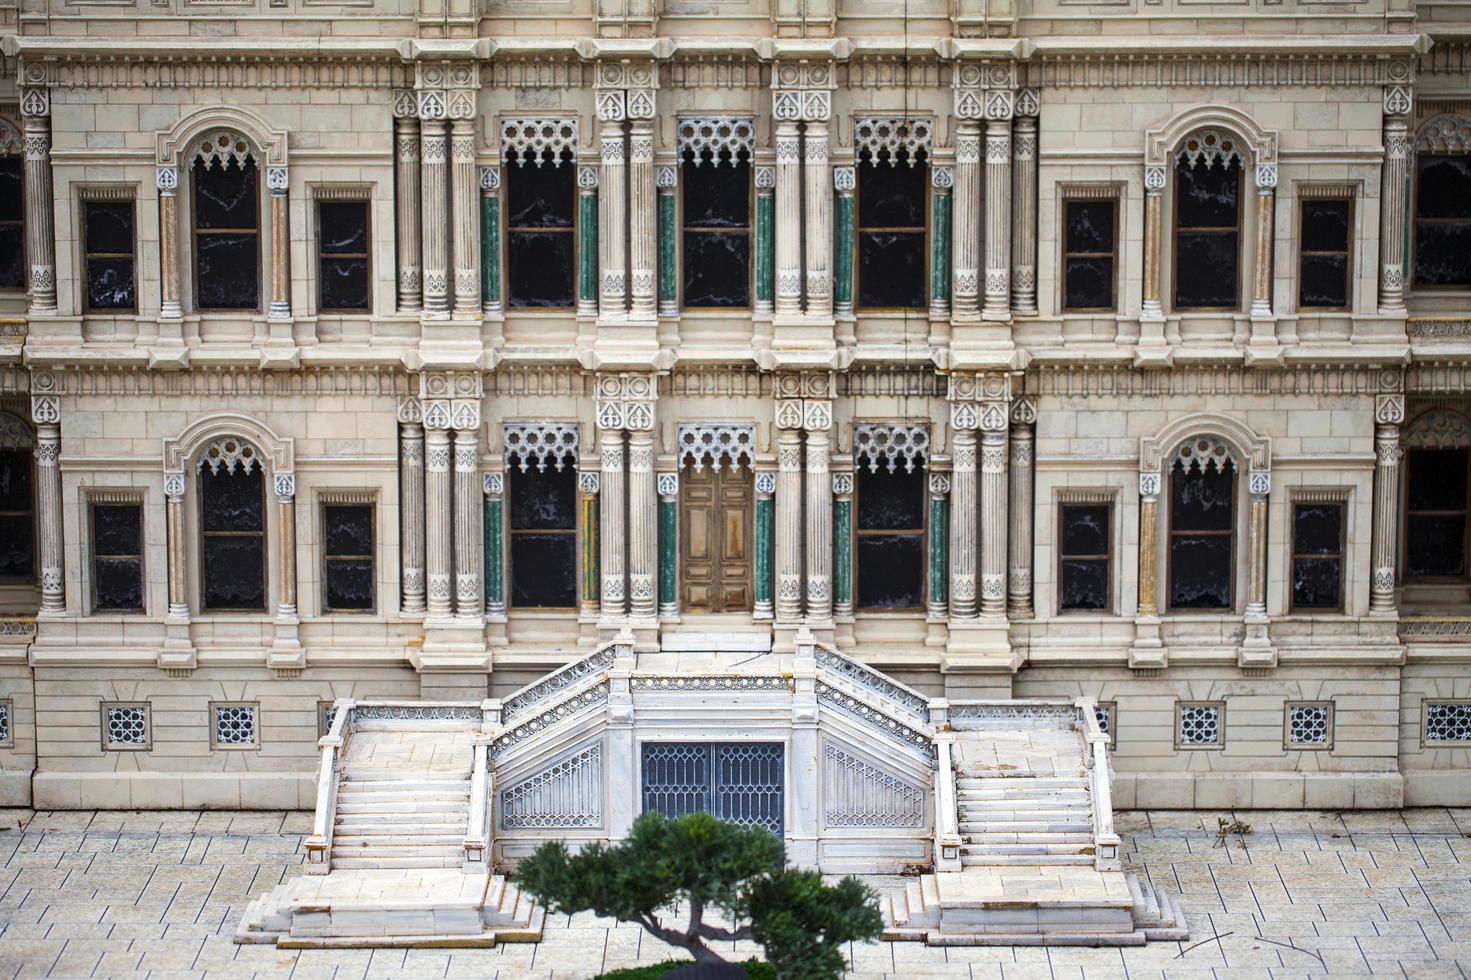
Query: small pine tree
[[707, 864]]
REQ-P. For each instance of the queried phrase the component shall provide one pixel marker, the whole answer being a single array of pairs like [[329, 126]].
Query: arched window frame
[[17, 434], [11, 145], [1434, 429], [215, 153], [1446, 135]]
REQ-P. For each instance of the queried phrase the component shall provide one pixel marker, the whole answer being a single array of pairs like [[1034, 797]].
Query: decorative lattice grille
[[1309, 724], [539, 139], [1104, 712], [861, 795], [884, 444], [1448, 721], [235, 724], [538, 443], [742, 783], [730, 134], [563, 795], [127, 725], [1200, 724], [728, 445], [6, 736]]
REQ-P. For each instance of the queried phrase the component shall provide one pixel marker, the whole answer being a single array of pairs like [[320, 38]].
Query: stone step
[[403, 791], [374, 805], [371, 774], [983, 833], [1034, 810], [1027, 784], [367, 824], [985, 860], [410, 781], [451, 839], [373, 860], [985, 847]]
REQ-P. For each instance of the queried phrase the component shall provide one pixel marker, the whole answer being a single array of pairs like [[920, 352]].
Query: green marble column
[[490, 239], [843, 544], [587, 241], [843, 179], [668, 544], [940, 245], [939, 567], [495, 578], [590, 543], [765, 229], [668, 283], [765, 507]]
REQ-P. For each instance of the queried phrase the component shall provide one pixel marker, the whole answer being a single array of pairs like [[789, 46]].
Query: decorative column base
[[981, 646]]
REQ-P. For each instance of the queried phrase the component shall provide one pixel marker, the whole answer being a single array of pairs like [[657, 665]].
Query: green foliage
[[804, 924], [755, 970]]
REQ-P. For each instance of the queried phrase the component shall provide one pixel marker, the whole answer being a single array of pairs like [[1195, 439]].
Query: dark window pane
[[891, 270], [1436, 545], [350, 584], [12, 189], [110, 284], [716, 269], [543, 570], [1090, 226], [1325, 226], [890, 571], [1444, 186], [349, 529], [1201, 499], [1324, 281], [225, 197], [234, 572], [892, 196], [1315, 583], [1089, 284], [344, 284], [890, 501], [1084, 584], [1085, 530], [231, 501], [118, 582], [539, 269], [109, 226], [229, 278], [12, 257], [1200, 571], [1318, 529], [1207, 196], [1443, 253], [343, 226], [717, 197], [540, 196], [543, 501], [17, 539], [15, 479], [1205, 269], [1437, 479], [117, 529]]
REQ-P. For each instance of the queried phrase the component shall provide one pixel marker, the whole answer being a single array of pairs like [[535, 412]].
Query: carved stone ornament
[[1023, 411], [665, 178], [724, 444], [276, 179], [230, 453], [173, 485], [35, 102], [1266, 175], [842, 484], [728, 135], [1439, 429], [766, 484], [1028, 102], [223, 147], [1203, 452], [885, 444], [881, 139], [1149, 484], [845, 179], [490, 178], [1389, 409], [589, 483], [668, 485], [939, 484], [14, 433], [1154, 178], [1259, 483], [765, 178], [11, 141], [167, 179], [942, 178], [1211, 147], [1397, 100], [534, 139], [433, 104], [494, 484], [964, 415], [45, 410], [1445, 134], [540, 442], [285, 487]]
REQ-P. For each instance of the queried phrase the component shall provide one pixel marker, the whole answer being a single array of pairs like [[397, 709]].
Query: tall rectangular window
[[347, 557], [109, 243], [12, 224], [226, 236], [117, 557], [1435, 513], [1317, 556], [717, 229], [893, 196], [1325, 237], [1207, 233], [1083, 557], [543, 532], [1442, 220], [890, 537], [232, 528], [17, 502], [1089, 261], [342, 257], [1202, 518], [541, 252]]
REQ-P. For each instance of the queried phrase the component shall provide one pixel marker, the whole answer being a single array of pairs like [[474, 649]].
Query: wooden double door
[[715, 539]]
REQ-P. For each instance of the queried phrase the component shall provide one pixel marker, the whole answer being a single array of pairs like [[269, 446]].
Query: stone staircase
[[400, 820]]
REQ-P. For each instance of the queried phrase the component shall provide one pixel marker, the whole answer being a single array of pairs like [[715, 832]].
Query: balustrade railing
[[332, 745], [477, 828]]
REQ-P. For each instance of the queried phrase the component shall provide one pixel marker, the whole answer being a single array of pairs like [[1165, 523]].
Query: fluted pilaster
[[1024, 206], [1259, 485], [1149, 485], [1266, 200], [963, 517], [40, 230], [819, 220], [48, 514], [278, 183], [285, 485], [1392, 271], [438, 525], [170, 308], [1389, 412], [788, 525], [993, 521], [819, 526], [788, 223], [612, 192], [997, 305], [965, 298], [468, 529], [1019, 574], [465, 223], [178, 561], [643, 525], [1154, 187], [407, 204], [434, 210], [644, 217], [611, 504], [411, 514]]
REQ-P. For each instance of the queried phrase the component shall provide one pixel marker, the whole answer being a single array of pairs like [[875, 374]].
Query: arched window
[[715, 158], [1443, 203], [541, 467], [893, 194], [1208, 222], [889, 463], [1202, 522], [17, 499], [232, 527], [226, 206], [1437, 456], [12, 210]]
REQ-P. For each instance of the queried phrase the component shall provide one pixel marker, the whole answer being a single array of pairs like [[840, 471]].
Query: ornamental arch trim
[[16, 432], [1439, 428], [187, 451], [1250, 451], [1448, 133], [1255, 144], [181, 144], [12, 143]]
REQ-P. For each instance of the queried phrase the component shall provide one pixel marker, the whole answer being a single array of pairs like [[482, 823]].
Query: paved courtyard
[[1305, 894]]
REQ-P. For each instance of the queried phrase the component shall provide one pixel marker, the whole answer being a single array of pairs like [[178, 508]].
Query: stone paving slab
[[158, 894]]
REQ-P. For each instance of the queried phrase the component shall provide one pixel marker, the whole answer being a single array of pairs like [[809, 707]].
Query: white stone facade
[[428, 118]]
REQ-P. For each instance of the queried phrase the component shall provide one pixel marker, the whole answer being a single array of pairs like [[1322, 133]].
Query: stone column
[[1149, 486], [941, 181], [587, 241], [611, 513], [1024, 205], [588, 484], [1392, 206], [667, 180], [46, 414], [843, 545], [643, 525], [434, 188], [845, 179], [819, 220], [1266, 198], [170, 308], [963, 512], [819, 541], [1389, 412], [643, 218], [788, 224], [278, 182], [668, 485], [465, 224], [1154, 188], [495, 544], [939, 571], [285, 484], [438, 503], [490, 239], [765, 490], [789, 525], [411, 505], [998, 207], [965, 298], [407, 204], [40, 230], [1259, 486], [612, 252], [993, 510], [468, 536], [1019, 576], [178, 562], [765, 228]]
